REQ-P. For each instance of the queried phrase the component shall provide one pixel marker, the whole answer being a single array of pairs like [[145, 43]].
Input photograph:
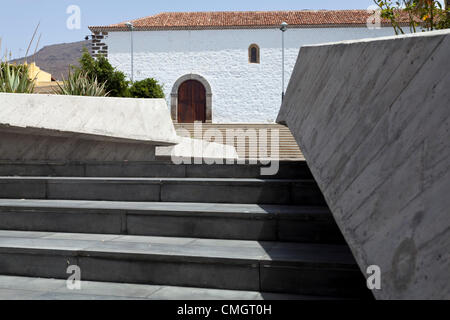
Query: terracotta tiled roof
[[244, 19]]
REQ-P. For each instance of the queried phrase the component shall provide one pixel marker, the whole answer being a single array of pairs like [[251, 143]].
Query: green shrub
[[115, 81], [148, 88], [78, 83], [104, 72], [15, 79]]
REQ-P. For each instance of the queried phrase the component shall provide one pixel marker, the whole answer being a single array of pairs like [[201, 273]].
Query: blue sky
[[18, 18]]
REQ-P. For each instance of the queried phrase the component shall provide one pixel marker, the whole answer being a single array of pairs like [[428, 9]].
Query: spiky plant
[[78, 83], [15, 79]]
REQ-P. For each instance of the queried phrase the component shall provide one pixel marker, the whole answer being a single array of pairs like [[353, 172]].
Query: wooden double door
[[191, 102]]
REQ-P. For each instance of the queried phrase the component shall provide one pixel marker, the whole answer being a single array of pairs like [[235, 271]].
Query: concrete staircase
[[288, 147], [161, 224]]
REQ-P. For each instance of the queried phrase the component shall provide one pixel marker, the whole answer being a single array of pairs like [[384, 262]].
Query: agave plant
[[78, 83], [15, 79]]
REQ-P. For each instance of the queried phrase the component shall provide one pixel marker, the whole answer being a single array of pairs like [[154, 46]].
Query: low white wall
[[68, 128], [373, 120], [143, 120]]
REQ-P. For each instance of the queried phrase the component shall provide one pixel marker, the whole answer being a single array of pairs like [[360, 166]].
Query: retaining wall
[[372, 118], [52, 127]]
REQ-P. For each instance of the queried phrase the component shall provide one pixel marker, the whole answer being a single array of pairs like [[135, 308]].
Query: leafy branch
[[425, 15]]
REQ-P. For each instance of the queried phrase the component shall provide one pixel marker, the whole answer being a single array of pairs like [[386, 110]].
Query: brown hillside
[[57, 58]]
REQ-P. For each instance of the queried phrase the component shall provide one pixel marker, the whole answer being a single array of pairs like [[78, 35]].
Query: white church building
[[224, 67]]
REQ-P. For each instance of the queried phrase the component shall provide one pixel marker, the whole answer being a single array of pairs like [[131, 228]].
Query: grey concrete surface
[[24, 144], [201, 220], [211, 263], [52, 127], [150, 169], [372, 118], [22, 288], [145, 120], [213, 190], [184, 248]]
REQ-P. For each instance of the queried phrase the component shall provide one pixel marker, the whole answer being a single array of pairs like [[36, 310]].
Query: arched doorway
[[191, 102]]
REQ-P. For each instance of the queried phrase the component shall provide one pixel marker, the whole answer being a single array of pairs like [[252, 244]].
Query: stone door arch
[[175, 91]]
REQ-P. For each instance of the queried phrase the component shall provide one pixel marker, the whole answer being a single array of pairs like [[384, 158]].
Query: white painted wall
[[242, 92]]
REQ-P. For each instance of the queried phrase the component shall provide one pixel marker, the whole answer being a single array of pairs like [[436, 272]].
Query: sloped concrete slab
[[53, 127], [144, 120], [372, 118]]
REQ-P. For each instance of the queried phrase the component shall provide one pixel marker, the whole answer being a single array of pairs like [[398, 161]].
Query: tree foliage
[[426, 15], [148, 88], [115, 81]]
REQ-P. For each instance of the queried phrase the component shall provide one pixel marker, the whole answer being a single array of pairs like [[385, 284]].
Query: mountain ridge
[[57, 58]]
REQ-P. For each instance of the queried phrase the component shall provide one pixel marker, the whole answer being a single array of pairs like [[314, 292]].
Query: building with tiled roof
[[245, 19], [225, 66]]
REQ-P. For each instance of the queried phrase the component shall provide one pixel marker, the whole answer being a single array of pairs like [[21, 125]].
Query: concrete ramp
[[372, 118], [53, 127]]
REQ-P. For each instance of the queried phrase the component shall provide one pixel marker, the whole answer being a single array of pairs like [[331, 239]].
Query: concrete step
[[200, 220], [287, 170], [243, 191], [25, 288], [306, 269]]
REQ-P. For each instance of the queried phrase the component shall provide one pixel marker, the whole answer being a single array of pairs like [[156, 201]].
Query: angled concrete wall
[[373, 120], [52, 127]]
